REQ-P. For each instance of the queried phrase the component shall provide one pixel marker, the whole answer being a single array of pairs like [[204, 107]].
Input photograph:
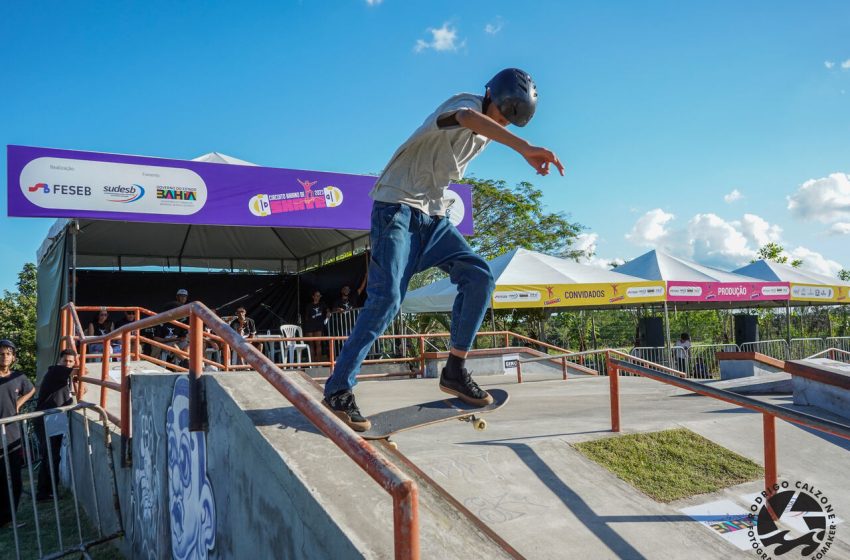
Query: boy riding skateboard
[[410, 232]]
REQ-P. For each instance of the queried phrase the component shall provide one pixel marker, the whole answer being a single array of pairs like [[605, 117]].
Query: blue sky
[[661, 111]]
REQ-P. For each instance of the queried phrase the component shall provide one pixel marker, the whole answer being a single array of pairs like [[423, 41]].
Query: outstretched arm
[[539, 158]]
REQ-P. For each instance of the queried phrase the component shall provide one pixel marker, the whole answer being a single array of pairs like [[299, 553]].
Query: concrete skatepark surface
[[522, 478]]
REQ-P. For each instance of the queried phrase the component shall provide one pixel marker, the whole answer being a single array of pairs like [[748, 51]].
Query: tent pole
[[74, 227], [493, 324], [788, 321], [667, 321]]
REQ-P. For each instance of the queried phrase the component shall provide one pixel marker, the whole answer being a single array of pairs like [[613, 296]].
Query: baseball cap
[[182, 292]]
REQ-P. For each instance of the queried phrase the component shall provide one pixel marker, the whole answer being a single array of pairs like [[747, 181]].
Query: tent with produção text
[[528, 279]]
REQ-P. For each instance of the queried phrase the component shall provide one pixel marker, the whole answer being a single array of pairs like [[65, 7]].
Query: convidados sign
[[48, 182], [75, 184]]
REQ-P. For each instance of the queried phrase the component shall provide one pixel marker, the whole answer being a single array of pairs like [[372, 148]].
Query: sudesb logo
[[40, 186]]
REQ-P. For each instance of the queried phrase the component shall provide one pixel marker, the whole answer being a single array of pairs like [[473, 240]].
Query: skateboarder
[[410, 232]]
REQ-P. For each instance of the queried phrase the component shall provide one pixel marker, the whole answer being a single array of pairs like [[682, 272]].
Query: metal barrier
[[802, 347], [777, 348], [702, 360], [578, 359], [41, 437], [621, 362], [838, 342], [404, 492], [833, 354]]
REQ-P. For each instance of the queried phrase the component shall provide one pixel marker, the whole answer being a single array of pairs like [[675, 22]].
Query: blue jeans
[[406, 241]]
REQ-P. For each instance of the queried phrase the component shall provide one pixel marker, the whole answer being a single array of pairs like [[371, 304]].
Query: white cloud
[[495, 26], [828, 64], [732, 196], [650, 228], [840, 228], [846, 64], [758, 231], [825, 200], [815, 262], [709, 239], [443, 39], [587, 242]]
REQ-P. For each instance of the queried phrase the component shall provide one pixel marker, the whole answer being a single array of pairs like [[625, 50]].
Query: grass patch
[[672, 464], [47, 527]]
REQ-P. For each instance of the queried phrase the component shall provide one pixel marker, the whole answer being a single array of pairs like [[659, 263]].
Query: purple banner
[[44, 182]]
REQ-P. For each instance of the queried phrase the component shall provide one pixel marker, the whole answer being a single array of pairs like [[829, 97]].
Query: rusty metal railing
[[402, 489]]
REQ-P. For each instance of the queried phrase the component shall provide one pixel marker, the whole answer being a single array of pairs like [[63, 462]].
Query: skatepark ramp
[[227, 461]]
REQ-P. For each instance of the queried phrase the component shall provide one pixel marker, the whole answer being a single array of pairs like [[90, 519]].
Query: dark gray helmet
[[514, 93], [6, 343]]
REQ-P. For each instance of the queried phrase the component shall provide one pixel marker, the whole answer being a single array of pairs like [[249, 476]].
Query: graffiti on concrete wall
[[190, 496], [147, 490]]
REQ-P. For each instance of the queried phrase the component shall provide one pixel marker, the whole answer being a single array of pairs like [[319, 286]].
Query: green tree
[[17, 318], [844, 275], [774, 252]]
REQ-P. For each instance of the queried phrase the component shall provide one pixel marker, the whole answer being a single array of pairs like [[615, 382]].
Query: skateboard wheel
[[392, 444], [479, 425]]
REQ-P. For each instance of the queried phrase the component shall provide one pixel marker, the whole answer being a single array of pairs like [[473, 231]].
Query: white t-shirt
[[422, 167]]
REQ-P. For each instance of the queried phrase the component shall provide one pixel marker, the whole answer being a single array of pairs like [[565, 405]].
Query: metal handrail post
[[614, 382], [563, 366], [138, 336], [406, 521], [422, 356], [125, 399], [197, 401], [104, 370], [770, 474]]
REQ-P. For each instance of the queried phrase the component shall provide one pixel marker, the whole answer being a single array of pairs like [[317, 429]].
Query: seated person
[[246, 328], [128, 317], [173, 336], [100, 326], [314, 323]]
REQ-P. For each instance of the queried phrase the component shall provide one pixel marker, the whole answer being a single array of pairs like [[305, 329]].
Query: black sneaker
[[462, 386], [342, 404]]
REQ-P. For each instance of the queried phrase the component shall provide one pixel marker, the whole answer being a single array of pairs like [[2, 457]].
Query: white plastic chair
[[293, 331]]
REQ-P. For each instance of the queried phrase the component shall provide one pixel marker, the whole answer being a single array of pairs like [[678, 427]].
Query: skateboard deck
[[385, 424]]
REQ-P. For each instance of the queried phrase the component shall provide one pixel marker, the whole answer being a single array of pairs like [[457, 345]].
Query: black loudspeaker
[[651, 331], [746, 329]]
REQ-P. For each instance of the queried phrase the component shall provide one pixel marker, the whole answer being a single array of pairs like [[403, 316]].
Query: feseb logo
[[61, 190]]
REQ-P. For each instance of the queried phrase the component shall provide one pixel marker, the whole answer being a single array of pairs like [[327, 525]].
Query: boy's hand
[[540, 158]]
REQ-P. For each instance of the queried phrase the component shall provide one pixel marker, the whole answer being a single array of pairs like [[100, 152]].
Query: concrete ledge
[[489, 361], [822, 383], [736, 365]]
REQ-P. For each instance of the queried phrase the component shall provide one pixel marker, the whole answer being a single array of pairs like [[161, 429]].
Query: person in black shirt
[[54, 391], [129, 317], [346, 301], [246, 328], [100, 326], [15, 390], [314, 323]]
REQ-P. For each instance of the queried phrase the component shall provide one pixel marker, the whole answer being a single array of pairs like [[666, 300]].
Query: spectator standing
[[314, 324], [15, 390], [683, 352], [55, 391], [246, 328]]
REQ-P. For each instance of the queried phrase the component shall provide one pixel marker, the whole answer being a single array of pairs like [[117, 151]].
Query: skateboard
[[385, 424]]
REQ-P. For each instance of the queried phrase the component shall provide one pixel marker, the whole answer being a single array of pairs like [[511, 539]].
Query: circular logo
[[455, 208], [333, 197], [799, 518], [259, 205]]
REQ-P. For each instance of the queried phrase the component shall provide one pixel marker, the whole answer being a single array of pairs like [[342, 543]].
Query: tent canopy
[[767, 270], [529, 279], [656, 265]]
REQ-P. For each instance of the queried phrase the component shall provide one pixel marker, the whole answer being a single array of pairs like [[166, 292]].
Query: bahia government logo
[[789, 517], [120, 193]]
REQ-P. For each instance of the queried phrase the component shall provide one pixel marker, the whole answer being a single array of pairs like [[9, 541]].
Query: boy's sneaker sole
[[356, 426], [466, 398]]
